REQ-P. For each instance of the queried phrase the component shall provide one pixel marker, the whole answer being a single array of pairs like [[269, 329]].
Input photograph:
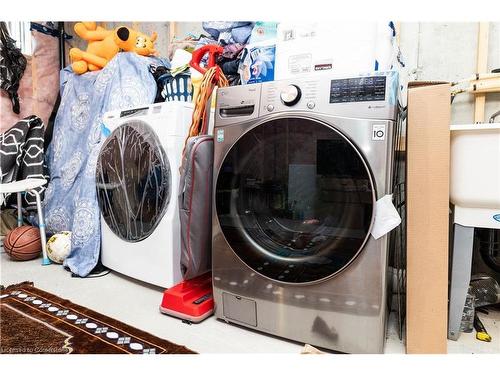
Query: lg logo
[[378, 132]]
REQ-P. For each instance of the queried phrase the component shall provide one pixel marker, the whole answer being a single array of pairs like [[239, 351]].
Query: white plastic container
[[341, 47], [475, 174]]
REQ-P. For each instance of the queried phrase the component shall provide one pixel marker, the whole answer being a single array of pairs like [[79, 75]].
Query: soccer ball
[[59, 246]]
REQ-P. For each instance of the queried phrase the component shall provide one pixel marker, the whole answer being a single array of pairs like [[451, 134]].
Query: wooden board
[[482, 66], [172, 31]]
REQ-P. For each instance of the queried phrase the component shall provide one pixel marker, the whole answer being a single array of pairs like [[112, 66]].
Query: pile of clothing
[[249, 49], [233, 36], [248, 56]]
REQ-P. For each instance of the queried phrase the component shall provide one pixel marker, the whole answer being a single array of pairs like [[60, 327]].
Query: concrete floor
[[467, 342], [136, 304]]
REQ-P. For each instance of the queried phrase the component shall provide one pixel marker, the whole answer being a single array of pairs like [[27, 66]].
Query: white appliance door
[[133, 180]]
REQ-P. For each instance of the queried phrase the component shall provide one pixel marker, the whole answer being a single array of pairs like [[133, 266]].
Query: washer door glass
[[133, 181], [295, 200]]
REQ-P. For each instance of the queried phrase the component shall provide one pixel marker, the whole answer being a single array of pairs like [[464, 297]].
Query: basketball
[[23, 243], [59, 246]]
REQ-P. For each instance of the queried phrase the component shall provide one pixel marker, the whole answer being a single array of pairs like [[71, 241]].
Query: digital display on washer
[[361, 89]]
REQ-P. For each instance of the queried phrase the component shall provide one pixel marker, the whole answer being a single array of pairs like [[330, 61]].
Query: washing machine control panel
[[279, 96], [290, 95], [360, 89], [369, 96], [361, 97]]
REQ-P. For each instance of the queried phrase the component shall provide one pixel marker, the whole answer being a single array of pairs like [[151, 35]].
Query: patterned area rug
[[33, 321]]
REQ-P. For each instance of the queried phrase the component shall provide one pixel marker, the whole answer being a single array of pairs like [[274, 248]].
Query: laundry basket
[[172, 88], [176, 88]]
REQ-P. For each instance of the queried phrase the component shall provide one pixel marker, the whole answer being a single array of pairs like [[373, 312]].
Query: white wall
[[447, 51], [182, 29]]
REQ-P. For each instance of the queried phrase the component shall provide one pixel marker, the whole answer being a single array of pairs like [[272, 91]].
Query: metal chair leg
[[460, 277], [19, 209], [41, 225]]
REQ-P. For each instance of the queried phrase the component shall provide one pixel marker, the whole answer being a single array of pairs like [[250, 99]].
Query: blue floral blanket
[[70, 199]]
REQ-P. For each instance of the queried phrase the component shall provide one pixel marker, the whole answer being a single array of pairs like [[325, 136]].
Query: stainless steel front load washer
[[299, 165]]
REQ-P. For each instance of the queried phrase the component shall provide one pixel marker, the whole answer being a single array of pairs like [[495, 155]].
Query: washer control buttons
[[270, 108], [290, 95], [311, 105]]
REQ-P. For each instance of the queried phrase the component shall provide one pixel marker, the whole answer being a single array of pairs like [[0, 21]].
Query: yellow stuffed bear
[[105, 44]]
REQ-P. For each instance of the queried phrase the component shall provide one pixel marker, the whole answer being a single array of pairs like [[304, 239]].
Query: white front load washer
[[137, 181], [298, 168]]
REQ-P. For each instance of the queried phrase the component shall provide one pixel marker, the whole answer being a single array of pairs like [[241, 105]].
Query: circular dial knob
[[290, 95]]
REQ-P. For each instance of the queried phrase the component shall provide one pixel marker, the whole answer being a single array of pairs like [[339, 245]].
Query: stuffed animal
[[104, 44]]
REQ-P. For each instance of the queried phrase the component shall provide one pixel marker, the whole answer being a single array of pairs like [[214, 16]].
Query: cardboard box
[[428, 165]]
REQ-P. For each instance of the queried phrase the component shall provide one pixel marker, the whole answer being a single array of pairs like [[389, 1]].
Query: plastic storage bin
[[176, 88]]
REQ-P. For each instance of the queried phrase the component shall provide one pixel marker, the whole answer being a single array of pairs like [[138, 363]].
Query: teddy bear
[[104, 44]]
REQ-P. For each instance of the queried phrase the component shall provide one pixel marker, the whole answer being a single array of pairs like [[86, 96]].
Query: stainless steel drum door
[[133, 181], [295, 200]]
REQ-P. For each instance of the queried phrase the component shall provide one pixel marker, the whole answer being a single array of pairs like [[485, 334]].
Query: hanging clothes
[[39, 85], [22, 153], [12, 66]]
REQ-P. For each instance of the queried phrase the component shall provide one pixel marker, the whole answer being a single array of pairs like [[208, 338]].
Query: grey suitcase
[[195, 206]]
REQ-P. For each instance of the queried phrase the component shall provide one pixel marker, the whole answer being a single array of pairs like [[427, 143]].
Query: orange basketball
[[23, 243]]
